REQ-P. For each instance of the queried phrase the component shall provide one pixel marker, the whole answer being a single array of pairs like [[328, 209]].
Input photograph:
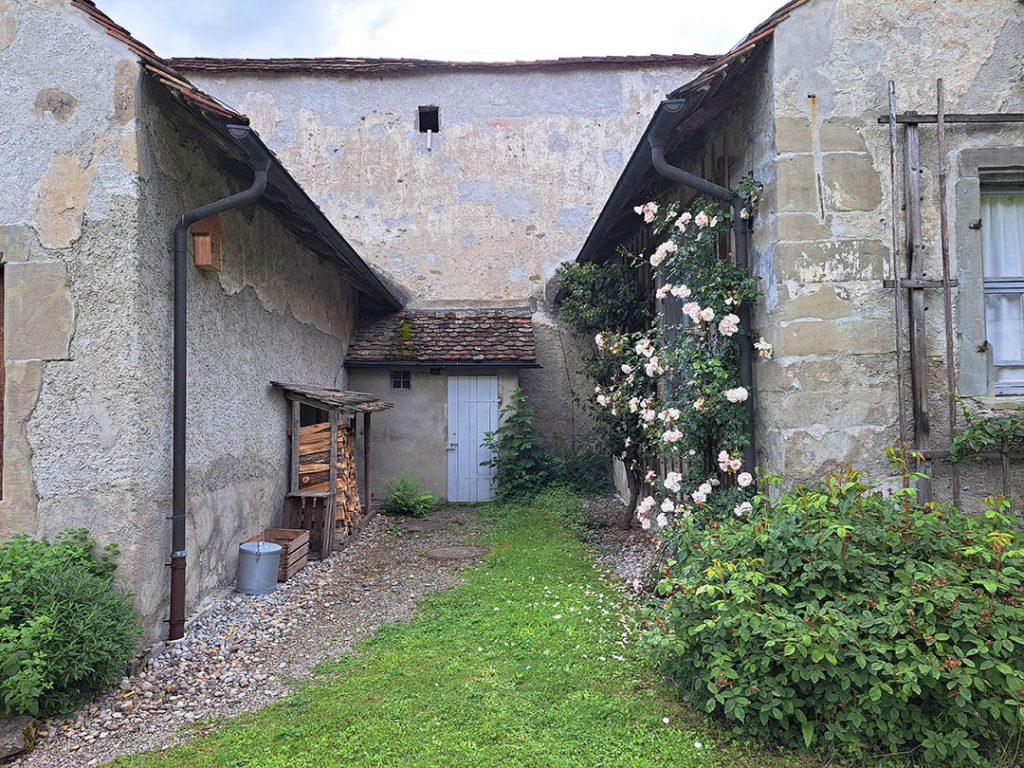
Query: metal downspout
[[261, 158], [665, 120]]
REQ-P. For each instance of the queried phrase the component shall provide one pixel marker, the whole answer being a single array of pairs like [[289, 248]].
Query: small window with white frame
[[1002, 235]]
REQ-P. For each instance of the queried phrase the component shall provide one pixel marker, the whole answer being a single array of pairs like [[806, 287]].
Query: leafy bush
[[984, 434], [405, 497], [859, 621], [521, 467], [65, 629], [588, 473]]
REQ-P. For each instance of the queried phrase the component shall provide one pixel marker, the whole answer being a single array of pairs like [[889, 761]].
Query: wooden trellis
[[910, 288]]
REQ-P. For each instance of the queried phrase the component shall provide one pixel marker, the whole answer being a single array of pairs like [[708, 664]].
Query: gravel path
[[631, 554], [242, 652]]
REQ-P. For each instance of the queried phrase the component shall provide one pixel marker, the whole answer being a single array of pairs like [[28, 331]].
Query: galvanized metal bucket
[[257, 567]]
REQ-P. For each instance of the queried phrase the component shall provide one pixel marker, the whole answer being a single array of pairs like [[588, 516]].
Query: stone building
[[477, 214], [104, 147], [463, 185], [800, 104]]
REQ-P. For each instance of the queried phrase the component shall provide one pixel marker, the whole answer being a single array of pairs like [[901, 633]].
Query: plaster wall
[[412, 436], [509, 189], [829, 395], [69, 239], [275, 313], [97, 178]]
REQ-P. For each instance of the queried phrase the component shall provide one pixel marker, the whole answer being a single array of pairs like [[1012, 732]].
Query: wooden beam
[[367, 474], [295, 435], [947, 293], [332, 486], [913, 118], [915, 255]]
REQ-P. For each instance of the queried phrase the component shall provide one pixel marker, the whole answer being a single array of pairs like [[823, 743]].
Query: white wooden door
[[472, 412]]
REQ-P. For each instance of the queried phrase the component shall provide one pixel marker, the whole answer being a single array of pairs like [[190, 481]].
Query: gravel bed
[[243, 652], [631, 554]]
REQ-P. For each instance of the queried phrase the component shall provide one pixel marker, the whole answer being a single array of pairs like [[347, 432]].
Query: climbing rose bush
[[695, 405], [846, 619]]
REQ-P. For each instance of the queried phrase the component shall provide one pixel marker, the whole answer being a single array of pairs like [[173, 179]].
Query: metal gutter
[[261, 159], [666, 118], [447, 364]]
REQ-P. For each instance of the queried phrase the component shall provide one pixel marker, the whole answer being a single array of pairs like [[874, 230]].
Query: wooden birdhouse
[[208, 244]]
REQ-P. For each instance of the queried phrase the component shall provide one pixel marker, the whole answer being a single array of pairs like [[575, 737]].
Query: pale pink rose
[[743, 508], [737, 395], [692, 310], [744, 213], [672, 436], [744, 479], [602, 400], [729, 325], [667, 506], [662, 251], [672, 481], [650, 476], [699, 404], [653, 367], [701, 494], [707, 314], [645, 523], [644, 347], [680, 292], [648, 415], [634, 404], [626, 368], [723, 460], [663, 292], [599, 340], [701, 220], [648, 211], [735, 464], [646, 505], [686, 218], [661, 520]]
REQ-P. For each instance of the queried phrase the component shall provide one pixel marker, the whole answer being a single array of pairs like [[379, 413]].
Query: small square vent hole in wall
[[428, 120]]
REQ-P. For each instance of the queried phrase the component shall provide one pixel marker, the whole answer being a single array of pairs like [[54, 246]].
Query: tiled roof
[[159, 68], [341, 400], [707, 96], [359, 66], [207, 120], [442, 337]]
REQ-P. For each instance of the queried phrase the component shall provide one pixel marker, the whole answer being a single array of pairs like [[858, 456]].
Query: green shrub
[[521, 467], [853, 620], [587, 473], [405, 497], [65, 629]]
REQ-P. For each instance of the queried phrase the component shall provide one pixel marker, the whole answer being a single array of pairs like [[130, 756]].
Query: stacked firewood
[[315, 472]]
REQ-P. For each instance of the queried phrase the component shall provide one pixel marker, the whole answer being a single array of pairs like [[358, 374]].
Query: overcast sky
[[466, 30]]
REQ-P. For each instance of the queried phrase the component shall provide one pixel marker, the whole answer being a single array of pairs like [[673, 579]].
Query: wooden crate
[[294, 549]]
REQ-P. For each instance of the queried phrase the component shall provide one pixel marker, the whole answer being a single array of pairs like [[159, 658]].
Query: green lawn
[[520, 666]]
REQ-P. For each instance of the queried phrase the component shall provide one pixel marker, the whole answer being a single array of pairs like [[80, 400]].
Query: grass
[[520, 666]]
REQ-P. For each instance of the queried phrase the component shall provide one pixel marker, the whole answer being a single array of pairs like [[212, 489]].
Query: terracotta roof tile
[[360, 66], [445, 337], [159, 68]]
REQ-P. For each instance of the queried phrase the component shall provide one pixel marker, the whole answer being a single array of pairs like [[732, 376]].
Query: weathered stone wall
[[275, 313], [98, 179], [509, 189], [829, 395], [69, 238], [412, 436]]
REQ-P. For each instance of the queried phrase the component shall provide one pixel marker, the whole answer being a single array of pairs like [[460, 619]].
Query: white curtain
[[1002, 228]]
